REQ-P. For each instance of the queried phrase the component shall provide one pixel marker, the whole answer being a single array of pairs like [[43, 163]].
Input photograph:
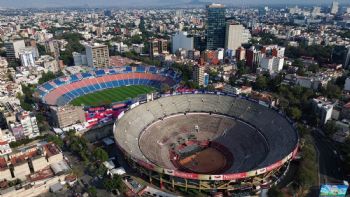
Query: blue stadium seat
[[140, 69], [86, 75], [103, 85], [109, 84], [115, 83], [48, 86], [58, 82], [73, 78], [128, 69], [152, 69], [100, 73]]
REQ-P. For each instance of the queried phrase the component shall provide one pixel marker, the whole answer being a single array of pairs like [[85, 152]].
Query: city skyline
[[150, 3]]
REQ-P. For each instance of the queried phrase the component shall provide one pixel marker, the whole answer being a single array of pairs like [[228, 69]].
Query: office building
[[65, 116], [198, 75], [181, 40], [13, 48], [216, 26], [97, 55], [335, 7], [234, 36]]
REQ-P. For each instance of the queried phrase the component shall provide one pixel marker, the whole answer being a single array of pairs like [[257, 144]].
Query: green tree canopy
[[100, 154]]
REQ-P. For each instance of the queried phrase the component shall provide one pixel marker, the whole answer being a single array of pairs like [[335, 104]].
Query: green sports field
[[108, 96]]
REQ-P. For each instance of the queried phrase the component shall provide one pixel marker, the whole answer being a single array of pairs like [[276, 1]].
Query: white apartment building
[[27, 58], [79, 59], [236, 35], [271, 64], [4, 148], [29, 124], [323, 108], [181, 40]]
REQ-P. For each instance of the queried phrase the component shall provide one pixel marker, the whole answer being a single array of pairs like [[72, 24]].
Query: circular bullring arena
[[207, 142]]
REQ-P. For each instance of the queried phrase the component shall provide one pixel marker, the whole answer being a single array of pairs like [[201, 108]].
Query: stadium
[[64, 90], [207, 142]]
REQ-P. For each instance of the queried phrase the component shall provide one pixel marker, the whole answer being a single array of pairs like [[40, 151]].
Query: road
[[330, 164]]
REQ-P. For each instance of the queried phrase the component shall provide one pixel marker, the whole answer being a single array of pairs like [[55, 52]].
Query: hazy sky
[[136, 3]]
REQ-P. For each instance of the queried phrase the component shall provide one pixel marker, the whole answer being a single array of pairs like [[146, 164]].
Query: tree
[[294, 113], [45, 77], [92, 191], [164, 88], [331, 91], [330, 128], [315, 68], [100, 154], [274, 192], [41, 49], [55, 139], [261, 83], [114, 183]]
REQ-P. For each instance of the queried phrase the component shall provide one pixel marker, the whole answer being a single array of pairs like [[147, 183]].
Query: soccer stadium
[[207, 142], [113, 85]]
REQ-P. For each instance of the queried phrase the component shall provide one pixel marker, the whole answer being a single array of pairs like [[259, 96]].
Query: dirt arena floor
[[207, 161]]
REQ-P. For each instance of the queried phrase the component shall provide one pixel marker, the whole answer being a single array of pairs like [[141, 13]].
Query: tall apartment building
[[216, 26], [323, 109], [13, 48], [157, 47], [335, 7], [67, 115], [234, 36], [271, 64], [198, 75], [240, 54], [252, 57], [97, 55], [29, 124], [27, 57]]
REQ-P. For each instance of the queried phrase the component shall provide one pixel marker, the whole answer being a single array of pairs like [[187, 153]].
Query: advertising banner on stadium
[[121, 115], [216, 177], [333, 190], [185, 175], [261, 171], [134, 105], [146, 165], [234, 176], [169, 172], [275, 165], [295, 152], [93, 109]]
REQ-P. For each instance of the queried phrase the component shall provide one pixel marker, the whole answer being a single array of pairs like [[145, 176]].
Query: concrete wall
[[99, 133]]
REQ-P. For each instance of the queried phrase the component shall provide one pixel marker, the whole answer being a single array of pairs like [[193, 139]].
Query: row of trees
[[49, 76]]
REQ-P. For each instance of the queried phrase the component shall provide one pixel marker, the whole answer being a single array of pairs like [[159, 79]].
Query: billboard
[[333, 190]]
